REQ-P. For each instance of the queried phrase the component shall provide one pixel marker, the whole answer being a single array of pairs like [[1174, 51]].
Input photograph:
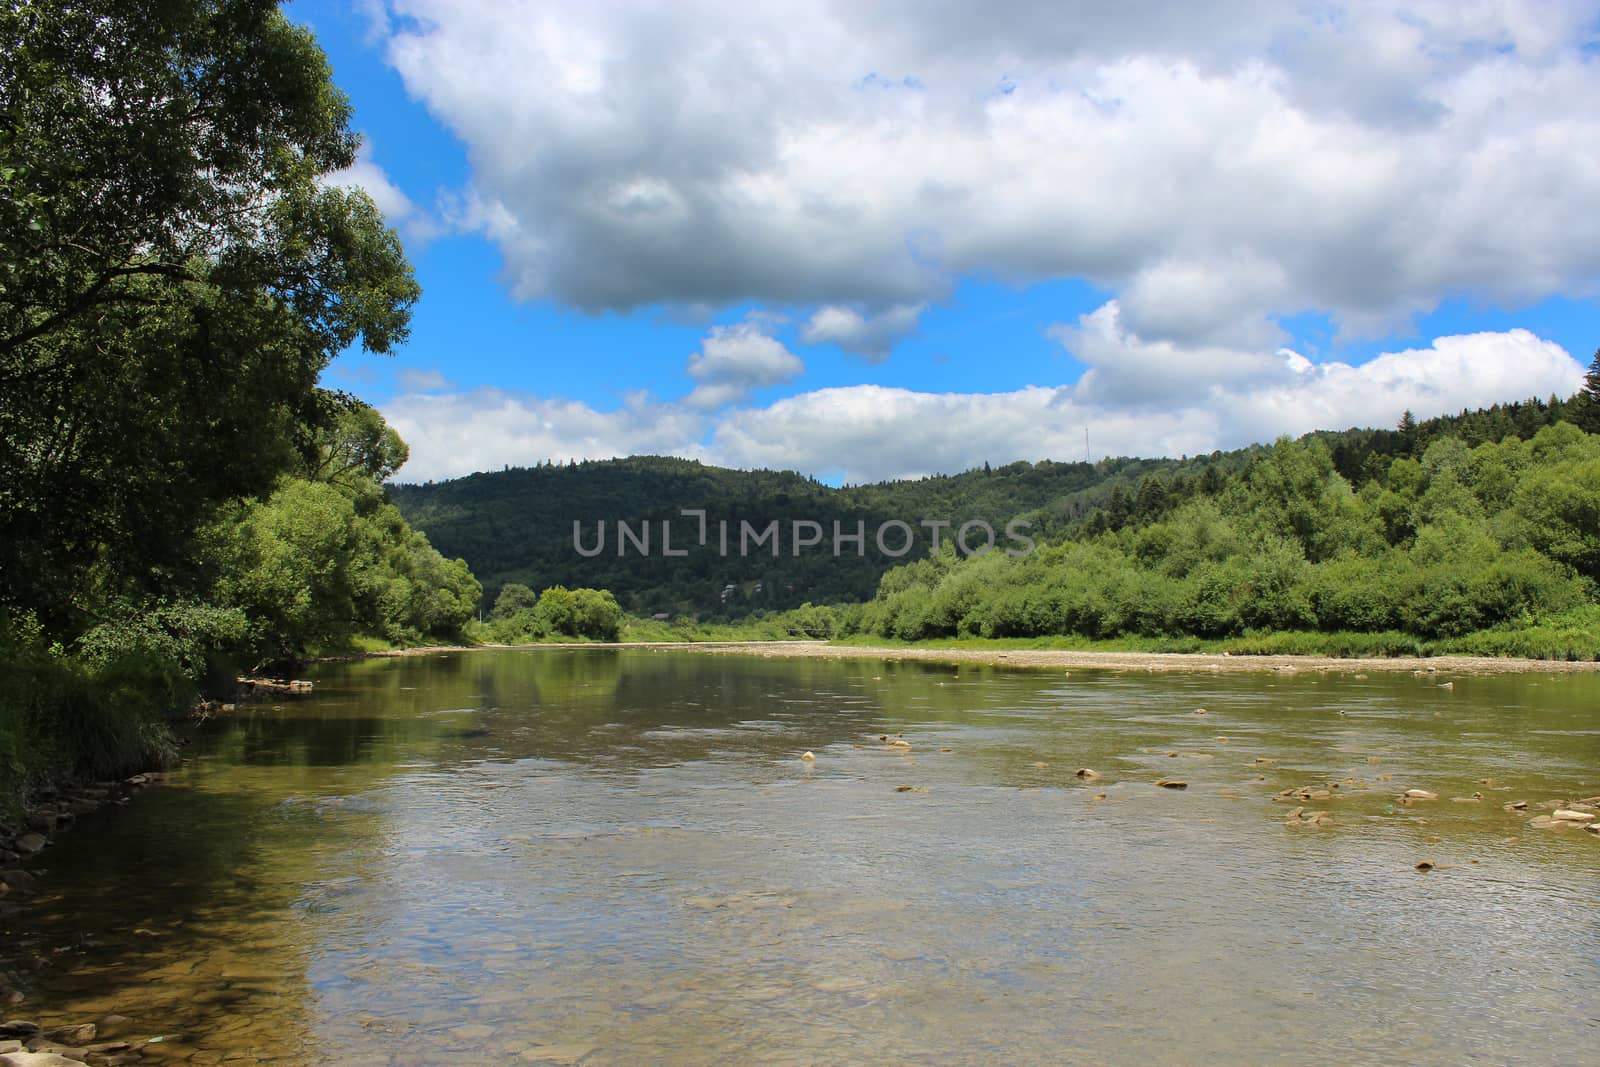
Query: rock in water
[[1563, 815], [1171, 783], [30, 843], [82, 1034], [1420, 794], [1084, 772], [808, 756]]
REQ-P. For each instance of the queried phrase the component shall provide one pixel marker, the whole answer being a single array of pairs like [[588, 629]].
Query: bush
[[583, 614], [74, 716]]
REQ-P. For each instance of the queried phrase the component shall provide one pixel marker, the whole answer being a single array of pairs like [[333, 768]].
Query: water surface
[[619, 857]]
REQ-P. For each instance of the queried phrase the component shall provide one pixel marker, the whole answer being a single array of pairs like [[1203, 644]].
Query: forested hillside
[[516, 526], [1493, 549]]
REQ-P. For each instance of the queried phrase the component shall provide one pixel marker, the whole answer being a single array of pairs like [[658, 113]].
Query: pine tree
[[1408, 432], [1586, 412]]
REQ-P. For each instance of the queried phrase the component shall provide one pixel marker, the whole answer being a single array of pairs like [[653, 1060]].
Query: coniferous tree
[[1408, 432], [1586, 412]]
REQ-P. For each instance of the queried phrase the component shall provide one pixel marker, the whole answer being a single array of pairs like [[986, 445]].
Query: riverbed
[[608, 856]]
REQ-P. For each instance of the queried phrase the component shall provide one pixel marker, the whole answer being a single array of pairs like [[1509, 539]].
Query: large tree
[[174, 276]]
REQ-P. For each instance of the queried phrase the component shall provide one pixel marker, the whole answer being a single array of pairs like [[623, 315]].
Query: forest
[[1469, 539]]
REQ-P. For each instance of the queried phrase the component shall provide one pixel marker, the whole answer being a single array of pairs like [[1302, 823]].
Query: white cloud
[[452, 434], [870, 336], [1127, 371], [870, 432], [1213, 165], [734, 360]]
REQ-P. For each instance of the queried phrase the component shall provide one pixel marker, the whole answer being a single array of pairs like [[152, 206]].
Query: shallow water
[[618, 857]]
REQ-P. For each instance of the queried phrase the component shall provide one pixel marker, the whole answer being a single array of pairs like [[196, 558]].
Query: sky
[[870, 241]]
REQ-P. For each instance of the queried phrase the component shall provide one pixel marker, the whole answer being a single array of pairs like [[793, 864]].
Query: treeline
[[178, 498], [1493, 548], [521, 616]]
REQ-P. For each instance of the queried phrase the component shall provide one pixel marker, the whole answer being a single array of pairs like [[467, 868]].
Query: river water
[[621, 857]]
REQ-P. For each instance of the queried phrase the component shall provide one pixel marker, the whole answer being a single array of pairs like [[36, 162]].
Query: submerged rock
[[1085, 772], [1171, 783], [1420, 794], [1565, 815], [82, 1034], [808, 756]]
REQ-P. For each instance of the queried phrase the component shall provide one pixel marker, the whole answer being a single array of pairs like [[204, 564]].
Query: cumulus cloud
[[734, 360], [869, 336], [451, 434], [1127, 371], [1213, 165], [870, 432]]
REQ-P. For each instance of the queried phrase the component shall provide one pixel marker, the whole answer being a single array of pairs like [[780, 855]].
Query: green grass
[[1571, 636], [62, 719]]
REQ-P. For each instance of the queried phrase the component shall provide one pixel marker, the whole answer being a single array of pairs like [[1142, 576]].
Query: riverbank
[[1046, 659]]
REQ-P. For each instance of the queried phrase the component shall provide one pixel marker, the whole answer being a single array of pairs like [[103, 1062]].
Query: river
[[622, 857]]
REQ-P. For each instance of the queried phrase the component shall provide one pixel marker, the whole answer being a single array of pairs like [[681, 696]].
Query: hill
[[516, 525]]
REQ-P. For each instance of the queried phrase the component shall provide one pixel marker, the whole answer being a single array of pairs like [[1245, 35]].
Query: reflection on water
[[618, 857]]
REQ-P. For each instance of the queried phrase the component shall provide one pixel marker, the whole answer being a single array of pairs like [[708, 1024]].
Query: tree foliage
[[1456, 542], [173, 278]]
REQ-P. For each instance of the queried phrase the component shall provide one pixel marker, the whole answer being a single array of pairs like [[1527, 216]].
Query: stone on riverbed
[[82, 1034], [1085, 772], [1171, 783], [37, 1059], [1564, 815], [1420, 794], [29, 843]]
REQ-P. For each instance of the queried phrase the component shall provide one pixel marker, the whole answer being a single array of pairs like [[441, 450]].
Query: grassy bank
[[86, 715], [1573, 636]]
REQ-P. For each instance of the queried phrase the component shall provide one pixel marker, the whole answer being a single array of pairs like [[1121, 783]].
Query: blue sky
[[886, 244]]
